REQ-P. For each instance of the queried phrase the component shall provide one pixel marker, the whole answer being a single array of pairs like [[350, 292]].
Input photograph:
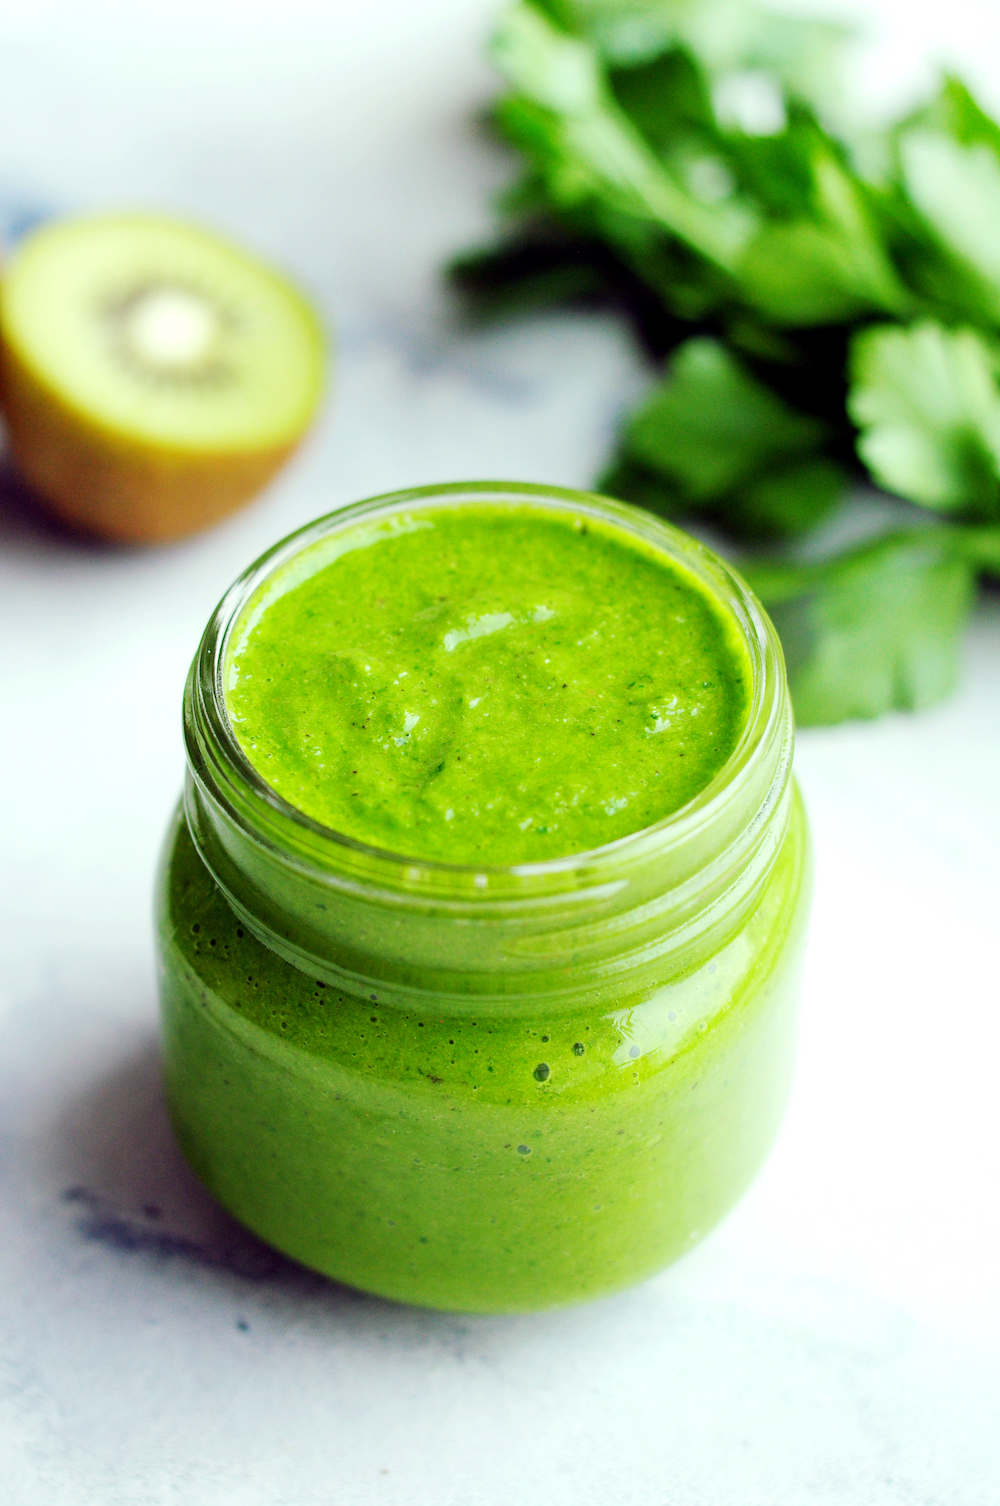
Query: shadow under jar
[[466, 1084]]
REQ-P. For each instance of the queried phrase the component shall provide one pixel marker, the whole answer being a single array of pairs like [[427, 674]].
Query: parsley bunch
[[824, 307]]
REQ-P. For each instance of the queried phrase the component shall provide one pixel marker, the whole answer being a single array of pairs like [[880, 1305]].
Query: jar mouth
[[307, 834]]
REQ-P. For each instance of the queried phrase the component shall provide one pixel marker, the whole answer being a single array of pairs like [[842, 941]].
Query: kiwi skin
[[100, 482]]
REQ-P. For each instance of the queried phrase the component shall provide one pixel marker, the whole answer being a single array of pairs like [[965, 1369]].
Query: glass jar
[[489, 1089]]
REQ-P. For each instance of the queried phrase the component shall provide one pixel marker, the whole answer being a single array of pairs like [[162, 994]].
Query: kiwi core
[[170, 329]]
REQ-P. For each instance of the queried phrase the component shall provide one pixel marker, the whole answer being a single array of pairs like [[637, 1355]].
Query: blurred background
[[835, 1341]]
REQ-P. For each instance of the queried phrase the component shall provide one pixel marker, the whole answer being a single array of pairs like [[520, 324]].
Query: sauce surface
[[483, 683]]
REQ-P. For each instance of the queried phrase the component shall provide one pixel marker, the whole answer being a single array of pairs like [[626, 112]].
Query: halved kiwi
[[153, 376]]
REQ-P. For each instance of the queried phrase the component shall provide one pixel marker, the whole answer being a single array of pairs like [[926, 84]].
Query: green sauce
[[486, 684], [492, 1162]]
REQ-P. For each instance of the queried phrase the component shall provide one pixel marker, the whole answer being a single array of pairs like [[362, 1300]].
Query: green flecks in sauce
[[487, 683]]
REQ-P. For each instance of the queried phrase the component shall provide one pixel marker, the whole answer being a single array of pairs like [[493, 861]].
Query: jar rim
[[320, 845]]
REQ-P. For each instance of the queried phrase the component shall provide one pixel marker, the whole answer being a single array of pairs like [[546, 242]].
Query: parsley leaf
[[927, 403], [955, 113], [634, 482], [829, 266], [586, 148], [712, 440], [877, 629], [729, 38], [788, 500], [981, 548], [710, 425], [956, 190]]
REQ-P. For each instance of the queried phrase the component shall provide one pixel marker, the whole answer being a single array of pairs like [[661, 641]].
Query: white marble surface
[[834, 1343]]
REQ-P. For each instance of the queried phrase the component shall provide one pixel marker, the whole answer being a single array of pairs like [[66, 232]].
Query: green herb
[[926, 401], [728, 445], [875, 629], [826, 310]]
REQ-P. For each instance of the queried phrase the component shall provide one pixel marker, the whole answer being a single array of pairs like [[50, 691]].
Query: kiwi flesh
[[153, 377]]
